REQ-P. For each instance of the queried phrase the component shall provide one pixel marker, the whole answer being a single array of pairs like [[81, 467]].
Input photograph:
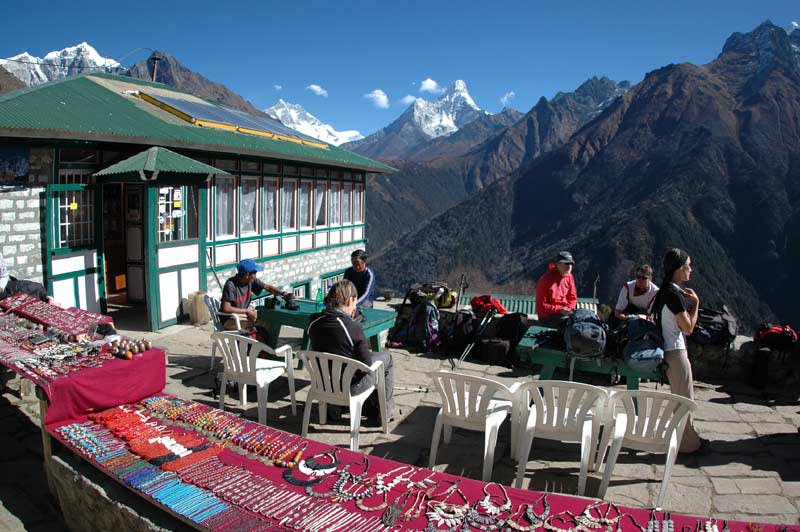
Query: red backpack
[[482, 304], [778, 337]]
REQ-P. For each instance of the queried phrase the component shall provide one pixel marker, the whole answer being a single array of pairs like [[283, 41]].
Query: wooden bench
[[524, 303]]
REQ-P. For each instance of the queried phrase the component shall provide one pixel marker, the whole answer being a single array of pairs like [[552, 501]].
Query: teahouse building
[[291, 202]]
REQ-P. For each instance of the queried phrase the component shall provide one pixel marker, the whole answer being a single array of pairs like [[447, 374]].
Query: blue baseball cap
[[248, 266]]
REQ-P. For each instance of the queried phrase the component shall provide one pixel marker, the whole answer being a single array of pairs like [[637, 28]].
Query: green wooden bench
[[524, 303], [552, 359]]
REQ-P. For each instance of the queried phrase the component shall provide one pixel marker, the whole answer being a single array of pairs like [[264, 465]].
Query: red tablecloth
[[116, 382], [472, 489]]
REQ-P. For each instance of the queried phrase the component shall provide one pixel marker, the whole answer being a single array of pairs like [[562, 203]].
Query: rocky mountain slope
[[706, 158], [472, 158]]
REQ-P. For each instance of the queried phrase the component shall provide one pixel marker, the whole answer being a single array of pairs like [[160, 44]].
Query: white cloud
[[507, 97], [316, 89], [429, 85], [278, 87], [407, 99], [378, 98]]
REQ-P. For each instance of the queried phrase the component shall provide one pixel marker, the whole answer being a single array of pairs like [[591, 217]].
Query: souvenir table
[[218, 472], [375, 321], [549, 358], [74, 321]]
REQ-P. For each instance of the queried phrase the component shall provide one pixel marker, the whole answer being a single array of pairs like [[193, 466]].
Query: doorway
[[123, 254]]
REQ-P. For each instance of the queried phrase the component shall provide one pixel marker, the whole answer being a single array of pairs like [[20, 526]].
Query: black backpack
[[585, 334], [512, 327], [715, 327]]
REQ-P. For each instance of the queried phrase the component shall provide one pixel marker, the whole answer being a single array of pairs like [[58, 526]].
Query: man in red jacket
[[556, 296]]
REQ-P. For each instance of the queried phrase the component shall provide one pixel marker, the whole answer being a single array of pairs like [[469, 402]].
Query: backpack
[[585, 334], [420, 331], [512, 327], [715, 327], [482, 304], [778, 337], [436, 291], [643, 352]]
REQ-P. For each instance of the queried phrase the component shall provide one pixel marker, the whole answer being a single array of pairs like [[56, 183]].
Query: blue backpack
[[643, 352]]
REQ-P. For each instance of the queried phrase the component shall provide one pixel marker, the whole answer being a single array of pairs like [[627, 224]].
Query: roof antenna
[[155, 58]]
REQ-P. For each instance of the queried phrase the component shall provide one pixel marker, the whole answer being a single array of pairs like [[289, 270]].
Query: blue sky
[[350, 49]]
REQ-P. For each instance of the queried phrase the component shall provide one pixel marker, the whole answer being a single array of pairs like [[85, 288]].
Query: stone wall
[[91, 502], [746, 363], [285, 271], [22, 219]]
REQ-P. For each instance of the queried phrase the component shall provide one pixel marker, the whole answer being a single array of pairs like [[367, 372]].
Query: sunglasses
[[643, 277]]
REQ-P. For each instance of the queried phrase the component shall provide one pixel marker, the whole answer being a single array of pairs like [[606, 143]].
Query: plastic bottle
[[319, 300]]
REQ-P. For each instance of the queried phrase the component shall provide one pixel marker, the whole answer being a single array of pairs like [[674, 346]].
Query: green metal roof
[[156, 161], [83, 109]]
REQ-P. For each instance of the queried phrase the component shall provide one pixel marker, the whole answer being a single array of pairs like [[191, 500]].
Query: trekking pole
[[211, 265], [481, 328], [594, 290], [462, 285]]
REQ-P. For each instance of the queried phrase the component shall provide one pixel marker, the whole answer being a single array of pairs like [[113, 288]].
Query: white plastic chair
[[646, 421], [242, 365], [558, 410], [469, 403], [218, 322], [331, 376]]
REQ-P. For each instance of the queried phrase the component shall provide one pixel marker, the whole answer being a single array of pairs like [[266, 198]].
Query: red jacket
[[554, 292]]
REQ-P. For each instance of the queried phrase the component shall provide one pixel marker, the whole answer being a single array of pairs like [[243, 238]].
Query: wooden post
[[47, 444]]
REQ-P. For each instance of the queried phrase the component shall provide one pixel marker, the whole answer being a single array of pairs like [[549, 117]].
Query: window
[[75, 210], [320, 172], [251, 166], [321, 204], [270, 168], [327, 281], [225, 198], [346, 203], [306, 212], [334, 199], [270, 204], [289, 205], [177, 213], [248, 206], [301, 290], [358, 198]]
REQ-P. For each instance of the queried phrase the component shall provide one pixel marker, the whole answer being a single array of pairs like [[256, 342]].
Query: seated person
[[556, 296], [362, 277], [238, 293], [335, 331], [636, 296]]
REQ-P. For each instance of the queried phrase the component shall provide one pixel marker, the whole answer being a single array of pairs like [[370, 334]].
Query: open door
[[134, 243]]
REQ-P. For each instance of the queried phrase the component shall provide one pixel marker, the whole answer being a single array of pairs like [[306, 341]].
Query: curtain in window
[[225, 197], [346, 203], [249, 206], [358, 196], [270, 205], [305, 204], [321, 204], [335, 211], [289, 205]]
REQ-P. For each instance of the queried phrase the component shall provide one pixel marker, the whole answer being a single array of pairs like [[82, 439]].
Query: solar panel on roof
[[207, 112]]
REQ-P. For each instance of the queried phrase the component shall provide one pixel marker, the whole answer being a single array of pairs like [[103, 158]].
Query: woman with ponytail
[[675, 310]]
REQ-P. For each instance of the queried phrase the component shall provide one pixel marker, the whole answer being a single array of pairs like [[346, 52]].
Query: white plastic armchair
[[470, 403], [242, 365], [218, 321], [647, 421], [558, 410], [331, 376]]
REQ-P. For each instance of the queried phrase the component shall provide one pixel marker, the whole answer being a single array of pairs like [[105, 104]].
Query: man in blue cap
[[239, 289]]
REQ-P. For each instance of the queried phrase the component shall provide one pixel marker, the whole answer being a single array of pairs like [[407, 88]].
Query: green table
[[550, 359], [375, 322]]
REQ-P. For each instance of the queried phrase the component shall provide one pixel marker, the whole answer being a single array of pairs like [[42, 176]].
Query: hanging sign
[[176, 204], [73, 206]]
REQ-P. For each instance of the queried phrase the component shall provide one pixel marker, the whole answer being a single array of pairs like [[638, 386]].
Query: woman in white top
[[675, 309]]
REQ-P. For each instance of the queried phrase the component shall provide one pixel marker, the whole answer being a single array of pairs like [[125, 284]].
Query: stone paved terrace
[[752, 472]]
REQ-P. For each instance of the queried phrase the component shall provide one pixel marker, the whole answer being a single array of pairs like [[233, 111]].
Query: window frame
[[295, 182], [277, 196], [235, 211], [311, 206], [256, 210]]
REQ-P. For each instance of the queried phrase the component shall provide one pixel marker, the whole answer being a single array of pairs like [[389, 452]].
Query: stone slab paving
[[752, 472]]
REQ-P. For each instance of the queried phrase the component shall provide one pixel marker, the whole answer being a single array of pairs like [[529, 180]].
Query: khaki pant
[[679, 375]]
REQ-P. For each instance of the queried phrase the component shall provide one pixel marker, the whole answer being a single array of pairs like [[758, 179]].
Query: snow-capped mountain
[[294, 116], [58, 64], [422, 121]]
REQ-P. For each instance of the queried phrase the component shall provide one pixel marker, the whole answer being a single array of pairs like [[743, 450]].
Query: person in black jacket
[[335, 331], [362, 277]]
